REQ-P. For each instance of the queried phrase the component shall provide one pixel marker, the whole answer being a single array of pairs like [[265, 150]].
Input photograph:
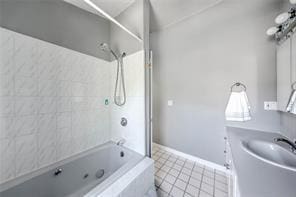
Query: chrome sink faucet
[[121, 142], [284, 140]]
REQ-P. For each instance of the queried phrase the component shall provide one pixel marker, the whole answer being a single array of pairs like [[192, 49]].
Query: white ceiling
[[168, 12], [163, 12], [112, 7]]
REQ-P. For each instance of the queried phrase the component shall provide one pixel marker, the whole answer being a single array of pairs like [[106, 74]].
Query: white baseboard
[[193, 158]]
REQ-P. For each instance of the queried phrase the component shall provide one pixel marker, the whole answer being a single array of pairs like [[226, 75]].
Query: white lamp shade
[[271, 31], [280, 19], [293, 1]]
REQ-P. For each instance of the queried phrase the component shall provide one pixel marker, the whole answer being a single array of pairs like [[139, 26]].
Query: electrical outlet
[[270, 105]]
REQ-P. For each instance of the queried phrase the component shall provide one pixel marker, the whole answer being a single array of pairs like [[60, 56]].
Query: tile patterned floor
[[178, 177]]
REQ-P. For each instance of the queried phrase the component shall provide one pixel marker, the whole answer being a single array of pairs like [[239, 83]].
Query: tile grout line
[[201, 181], [166, 173], [173, 185], [189, 178], [214, 183]]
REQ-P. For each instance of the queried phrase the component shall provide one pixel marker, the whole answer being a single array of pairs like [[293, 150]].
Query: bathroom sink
[[271, 153]]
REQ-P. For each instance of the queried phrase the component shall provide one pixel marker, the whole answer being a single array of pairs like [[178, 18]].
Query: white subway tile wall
[[134, 109], [51, 103]]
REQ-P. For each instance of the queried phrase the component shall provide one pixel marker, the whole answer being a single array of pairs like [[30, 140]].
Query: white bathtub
[[76, 176]]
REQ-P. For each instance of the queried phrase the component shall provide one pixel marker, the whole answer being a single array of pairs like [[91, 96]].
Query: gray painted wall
[[195, 63], [57, 22]]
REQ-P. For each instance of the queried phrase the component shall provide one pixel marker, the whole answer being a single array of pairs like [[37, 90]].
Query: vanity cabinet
[[286, 70]]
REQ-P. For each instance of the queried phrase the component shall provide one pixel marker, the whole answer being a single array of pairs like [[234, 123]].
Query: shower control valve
[[123, 121]]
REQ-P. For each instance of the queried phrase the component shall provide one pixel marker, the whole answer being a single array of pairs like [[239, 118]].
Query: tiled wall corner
[[51, 103]]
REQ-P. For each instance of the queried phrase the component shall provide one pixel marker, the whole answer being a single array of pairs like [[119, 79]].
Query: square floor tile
[[221, 186], [157, 164], [219, 193], [209, 174], [199, 165], [181, 159], [177, 167], [165, 168], [194, 182], [207, 188], [170, 179], [174, 172], [165, 186], [180, 184], [208, 180], [193, 191], [187, 195], [189, 165], [196, 175], [180, 162], [161, 174], [169, 163], [204, 194], [158, 181], [186, 171], [161, 160], [220, 172], [209, 168], [165, 156], [198, 169], [221, 178], [184, 177], [176, 192], [172, 159]]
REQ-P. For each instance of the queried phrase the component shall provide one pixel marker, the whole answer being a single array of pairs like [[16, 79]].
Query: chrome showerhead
[[105, 47]]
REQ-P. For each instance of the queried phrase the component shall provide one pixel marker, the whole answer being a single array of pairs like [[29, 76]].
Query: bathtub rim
[[23, 178]]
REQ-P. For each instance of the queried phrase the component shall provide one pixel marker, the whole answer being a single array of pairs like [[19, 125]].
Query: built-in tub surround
[[51, 105], [55, 102], [90, 172]]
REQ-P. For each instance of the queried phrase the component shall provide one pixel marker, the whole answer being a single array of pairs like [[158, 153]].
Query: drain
[[100, 173], [85, 176], [121, 154]]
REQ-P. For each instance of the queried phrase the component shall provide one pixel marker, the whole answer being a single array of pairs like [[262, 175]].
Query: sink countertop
[[257, 178]]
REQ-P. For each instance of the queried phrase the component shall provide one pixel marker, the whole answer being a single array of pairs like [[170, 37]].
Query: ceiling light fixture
[[94, 6]]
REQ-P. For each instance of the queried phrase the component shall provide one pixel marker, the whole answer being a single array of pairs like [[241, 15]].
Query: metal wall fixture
[[285, 25], [100, 173], [238, 84], [123, 121]]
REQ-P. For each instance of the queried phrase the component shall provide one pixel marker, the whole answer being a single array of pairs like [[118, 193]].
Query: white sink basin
[[271, 153]]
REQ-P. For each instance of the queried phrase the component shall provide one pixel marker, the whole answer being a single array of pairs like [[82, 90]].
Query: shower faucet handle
[[121, 142]]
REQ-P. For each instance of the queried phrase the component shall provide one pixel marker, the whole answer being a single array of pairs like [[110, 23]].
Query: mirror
[[286, 75]]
